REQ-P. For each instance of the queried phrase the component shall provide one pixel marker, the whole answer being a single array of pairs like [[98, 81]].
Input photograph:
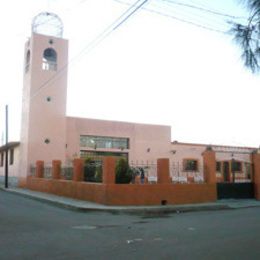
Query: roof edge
[[8, 146]]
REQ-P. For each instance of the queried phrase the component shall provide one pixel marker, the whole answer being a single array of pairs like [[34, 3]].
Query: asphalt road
[[34, 230]]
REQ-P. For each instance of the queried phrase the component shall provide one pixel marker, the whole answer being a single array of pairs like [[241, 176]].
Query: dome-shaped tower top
[[48, 24]]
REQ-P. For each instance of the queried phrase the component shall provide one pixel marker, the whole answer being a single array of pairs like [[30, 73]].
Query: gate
[[235, 190]]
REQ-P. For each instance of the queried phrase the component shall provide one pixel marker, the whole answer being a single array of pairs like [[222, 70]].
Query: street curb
[[146, 211], [140, 210], [57, 203]]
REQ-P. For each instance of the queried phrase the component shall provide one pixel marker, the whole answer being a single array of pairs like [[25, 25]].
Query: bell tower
[[43, 129]]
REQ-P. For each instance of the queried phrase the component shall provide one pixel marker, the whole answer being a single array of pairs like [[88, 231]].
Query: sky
[[167, 64]]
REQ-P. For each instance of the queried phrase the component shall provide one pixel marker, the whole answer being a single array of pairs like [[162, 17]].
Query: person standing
[[142, 176]]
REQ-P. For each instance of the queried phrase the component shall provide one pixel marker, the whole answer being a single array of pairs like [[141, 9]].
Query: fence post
[[163, 171], [39, 172], [109, 168], [56, 169], [78, 170], [209, 160], [256, 173]]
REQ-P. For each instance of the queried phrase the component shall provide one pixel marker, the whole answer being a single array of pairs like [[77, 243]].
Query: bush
[[123, 172]]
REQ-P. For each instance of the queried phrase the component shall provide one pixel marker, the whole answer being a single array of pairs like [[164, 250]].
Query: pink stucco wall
[[147, 142], [182, 151], [42, 119]]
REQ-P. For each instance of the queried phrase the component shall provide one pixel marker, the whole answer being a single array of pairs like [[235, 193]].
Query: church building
[[48, 134]]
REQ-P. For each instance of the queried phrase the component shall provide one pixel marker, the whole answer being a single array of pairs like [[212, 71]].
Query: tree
[[247, 36]]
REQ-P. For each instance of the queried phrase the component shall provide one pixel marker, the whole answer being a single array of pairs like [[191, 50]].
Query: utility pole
[[6, 143]]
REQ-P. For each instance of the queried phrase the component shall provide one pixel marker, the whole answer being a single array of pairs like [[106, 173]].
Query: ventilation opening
[[163, 202], [47, 141]]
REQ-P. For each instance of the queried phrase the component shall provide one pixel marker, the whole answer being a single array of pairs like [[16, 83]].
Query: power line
[[205, 9], [112, 27], [196, 16], [127, 17], [200, 17], [177, 18]]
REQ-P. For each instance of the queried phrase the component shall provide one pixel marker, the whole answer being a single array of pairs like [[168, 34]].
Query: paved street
[[31, 229]]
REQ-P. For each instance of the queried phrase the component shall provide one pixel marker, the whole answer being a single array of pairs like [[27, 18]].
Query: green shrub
[[123, 172]]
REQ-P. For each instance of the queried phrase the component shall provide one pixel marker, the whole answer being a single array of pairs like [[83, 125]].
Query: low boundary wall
[[126, 194]]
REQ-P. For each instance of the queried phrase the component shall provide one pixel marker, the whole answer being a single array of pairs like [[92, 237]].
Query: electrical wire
[[194, 15], [112, 27], [177, 18], [205, 9], [127, 14]]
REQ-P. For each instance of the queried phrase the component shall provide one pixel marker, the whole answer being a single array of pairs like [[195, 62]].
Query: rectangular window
[[98, 156], [95, 142], [236, 166], [218, 166], [190, 165], [11, 161]]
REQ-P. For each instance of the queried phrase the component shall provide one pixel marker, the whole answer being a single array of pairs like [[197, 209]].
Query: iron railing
[[93, 171]]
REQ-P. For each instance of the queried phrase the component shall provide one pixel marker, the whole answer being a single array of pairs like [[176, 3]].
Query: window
[[49, 59], [218, 166], [95, 142], [27, 61], [98, 156], [2, 160], [190, 165], [236, 166], [11, 161]]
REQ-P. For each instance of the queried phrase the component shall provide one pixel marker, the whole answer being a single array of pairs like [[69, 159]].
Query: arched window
[[49, 59], [27, 60]]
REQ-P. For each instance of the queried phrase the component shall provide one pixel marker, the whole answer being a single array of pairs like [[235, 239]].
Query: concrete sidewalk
[[80, 205]]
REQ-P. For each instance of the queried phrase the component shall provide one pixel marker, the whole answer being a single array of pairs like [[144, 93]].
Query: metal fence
[[47, 172], [32, 170], [67, 172], [93, 171], [149, 168], [177, 173], [180, 175]]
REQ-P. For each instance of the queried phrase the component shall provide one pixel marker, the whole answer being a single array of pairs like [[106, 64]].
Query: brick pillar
[[39, 172], [109, 169], [56, 169], [78, 170], [209, 160], [163, 171], [256, 173]]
